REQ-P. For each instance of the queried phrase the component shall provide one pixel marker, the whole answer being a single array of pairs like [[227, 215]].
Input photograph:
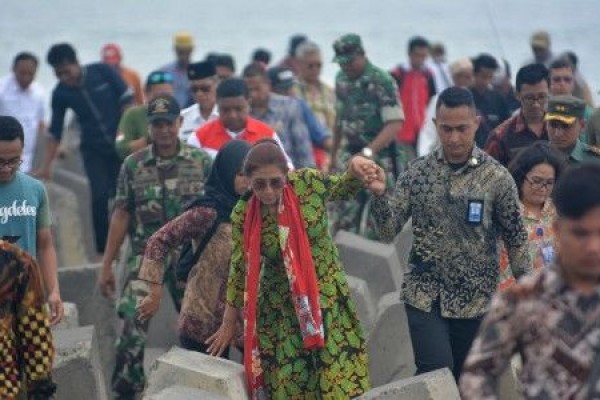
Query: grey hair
[[306, 48]]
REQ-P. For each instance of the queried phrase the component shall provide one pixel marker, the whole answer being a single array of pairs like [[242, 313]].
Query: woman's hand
[[225, 335], [150, 304], [369, 173]]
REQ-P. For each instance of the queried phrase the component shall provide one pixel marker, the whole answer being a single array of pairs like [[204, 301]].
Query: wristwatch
[[367, 152]]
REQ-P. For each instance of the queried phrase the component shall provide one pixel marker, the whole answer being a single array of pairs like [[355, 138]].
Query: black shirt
[[492, 107], [97, 103]]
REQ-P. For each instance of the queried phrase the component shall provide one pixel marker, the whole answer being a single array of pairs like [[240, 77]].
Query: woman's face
[[267, 183], [240, 183], [538, 185]]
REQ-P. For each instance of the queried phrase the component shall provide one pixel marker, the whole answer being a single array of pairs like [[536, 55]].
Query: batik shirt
[[554, 329], [154, 190], [458, 216], [364, 105], [25, 337]]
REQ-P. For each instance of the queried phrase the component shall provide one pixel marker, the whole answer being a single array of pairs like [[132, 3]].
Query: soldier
[[368, 118], [154, 184], [564, 122]]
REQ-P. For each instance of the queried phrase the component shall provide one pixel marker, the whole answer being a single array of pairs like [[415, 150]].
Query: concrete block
[[78, 285], [67, 228], [365, 306], [70, 319], [77, 370], [390, 348], [184, 393], [436, 385], [376, 263], [199, 371]]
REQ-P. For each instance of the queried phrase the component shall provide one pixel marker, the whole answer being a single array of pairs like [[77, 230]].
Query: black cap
[[201, 70], [281, 78], [163, 107]]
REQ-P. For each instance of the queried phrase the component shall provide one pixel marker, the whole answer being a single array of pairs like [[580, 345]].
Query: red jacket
[[213, 135]]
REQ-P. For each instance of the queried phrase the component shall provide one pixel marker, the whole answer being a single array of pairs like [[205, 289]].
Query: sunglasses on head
[[161, 77], [260, 184]]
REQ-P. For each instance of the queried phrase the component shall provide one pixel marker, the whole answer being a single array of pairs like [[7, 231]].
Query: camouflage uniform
[[153, 191], [364, 105]]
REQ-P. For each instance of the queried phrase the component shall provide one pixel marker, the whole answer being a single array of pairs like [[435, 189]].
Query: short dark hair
[[233, 87], [261, 55], [25, 56], [577, 191], [416, 42], [225, 60], [532, 74], [484, 61], [11, 129], [255, 70], [561, 63], [296, 41], [211, 57], [538, 153], [60, 54], [572, 58], [454, 97], [265, 152]]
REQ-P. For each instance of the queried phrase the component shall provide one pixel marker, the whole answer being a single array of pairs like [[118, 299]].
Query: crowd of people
[[230, 188]]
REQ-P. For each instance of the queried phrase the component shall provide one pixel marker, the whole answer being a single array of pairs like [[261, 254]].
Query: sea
[[144, 28]]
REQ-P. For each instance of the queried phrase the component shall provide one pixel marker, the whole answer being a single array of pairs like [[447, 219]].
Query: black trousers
[[102, 169], [440, 342]]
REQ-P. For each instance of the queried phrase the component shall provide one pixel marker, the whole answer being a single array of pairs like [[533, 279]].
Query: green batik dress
[[340, 369]]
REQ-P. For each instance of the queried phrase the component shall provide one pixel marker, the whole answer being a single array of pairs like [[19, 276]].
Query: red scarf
[[300, 268]]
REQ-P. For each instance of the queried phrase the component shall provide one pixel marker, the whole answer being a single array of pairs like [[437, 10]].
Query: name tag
[[475, 212]]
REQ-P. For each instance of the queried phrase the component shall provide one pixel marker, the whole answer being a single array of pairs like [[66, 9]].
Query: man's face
[[68, 74], [563, 136], [540, 53], [355, 68], [258, 91], [578, 245], [233, 112], [463, 78], [164, 132], [10, 158], [483, 78], [417, 57], [310, 67], [561, 81], [205, 92], [183, 54], [224, 72], [456, 129], [534, 100], [24, 72], [153, 91]]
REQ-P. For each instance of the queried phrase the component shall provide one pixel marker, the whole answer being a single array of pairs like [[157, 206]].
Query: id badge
[[548, 254], [475, 212]]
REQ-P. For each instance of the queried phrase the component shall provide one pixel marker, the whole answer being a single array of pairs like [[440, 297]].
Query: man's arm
[[129, 140], [492, 350], [386, 136], [48, 263], [508, 215], [55, 134], [117, 231], [391, 113], [391, 211], [123, 92]]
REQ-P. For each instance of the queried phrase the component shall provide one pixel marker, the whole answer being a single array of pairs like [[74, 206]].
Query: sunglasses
[[260, 184], [201, 88]]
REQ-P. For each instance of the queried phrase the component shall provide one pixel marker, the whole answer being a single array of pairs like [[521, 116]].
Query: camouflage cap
[[163, 107], [565, 108], [346, 47]]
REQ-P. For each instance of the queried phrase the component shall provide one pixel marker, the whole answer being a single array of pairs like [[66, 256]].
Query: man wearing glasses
[[564, 122], [24, 211], [203, 85], [133, 133], [528, 125]]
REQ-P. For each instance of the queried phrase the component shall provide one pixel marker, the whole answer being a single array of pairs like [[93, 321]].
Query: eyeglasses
[[201, 88], [539, 183], [260, 184], [540, 98], [565, 79], [14, 163]]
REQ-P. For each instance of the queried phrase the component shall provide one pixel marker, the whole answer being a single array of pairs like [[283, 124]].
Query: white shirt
[[192, 120], [27, 106]]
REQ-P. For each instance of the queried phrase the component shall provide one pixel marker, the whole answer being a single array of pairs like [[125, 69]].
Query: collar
[[521, 124], [475, 160], [547, 211], [578, 152], [150, 158]]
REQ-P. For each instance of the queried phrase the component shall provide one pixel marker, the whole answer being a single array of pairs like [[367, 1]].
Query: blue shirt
[[97, 103], [181, 85], [317, 131], [23, 210]]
